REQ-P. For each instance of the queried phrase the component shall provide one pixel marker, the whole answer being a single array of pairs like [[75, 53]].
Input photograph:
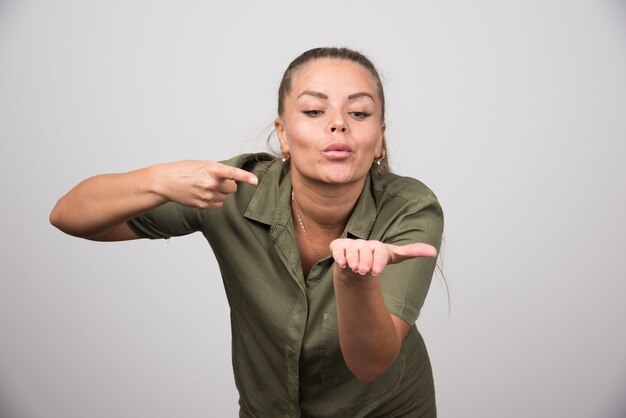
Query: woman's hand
[[371, 257], [200, 184]]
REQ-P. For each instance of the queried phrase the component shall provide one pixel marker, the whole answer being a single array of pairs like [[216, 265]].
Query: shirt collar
[[271, 204]]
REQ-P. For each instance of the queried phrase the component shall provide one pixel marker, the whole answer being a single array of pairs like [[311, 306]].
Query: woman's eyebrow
[[323, 96], [313, 93], [361, 94]]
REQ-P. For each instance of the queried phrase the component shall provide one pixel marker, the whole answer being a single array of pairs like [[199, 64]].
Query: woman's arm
[[99, 207], [369, 336]]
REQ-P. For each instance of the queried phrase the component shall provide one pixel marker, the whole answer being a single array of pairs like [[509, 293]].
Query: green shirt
[[285, 345]]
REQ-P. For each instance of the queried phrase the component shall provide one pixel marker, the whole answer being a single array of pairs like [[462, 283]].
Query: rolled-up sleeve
[[406, 284], [168, 220]]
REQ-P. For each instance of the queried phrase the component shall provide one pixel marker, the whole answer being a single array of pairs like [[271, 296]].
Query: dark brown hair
[[340, 54]]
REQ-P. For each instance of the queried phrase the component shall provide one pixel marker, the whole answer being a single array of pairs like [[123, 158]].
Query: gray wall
[[513, 112]]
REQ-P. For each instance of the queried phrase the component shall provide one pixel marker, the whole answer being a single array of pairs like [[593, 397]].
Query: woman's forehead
[[334, 74]]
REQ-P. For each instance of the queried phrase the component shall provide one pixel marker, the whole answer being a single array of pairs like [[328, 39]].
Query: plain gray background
[[514, 112]]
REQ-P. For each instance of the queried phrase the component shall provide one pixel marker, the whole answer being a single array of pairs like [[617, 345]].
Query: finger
[[339, 255], [365, 260], [379, 260], [216, 205], [209, 204], [225, 186], [405, 252], [225, 172], [352, 257], [214, 196]]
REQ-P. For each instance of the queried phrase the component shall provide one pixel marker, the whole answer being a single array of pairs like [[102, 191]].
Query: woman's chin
[[341, 177], [337, 175]]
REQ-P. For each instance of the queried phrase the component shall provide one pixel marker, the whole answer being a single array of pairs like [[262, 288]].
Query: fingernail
[[253, 181]]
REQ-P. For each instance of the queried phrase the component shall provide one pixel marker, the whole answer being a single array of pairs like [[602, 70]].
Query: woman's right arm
[[98, 207]]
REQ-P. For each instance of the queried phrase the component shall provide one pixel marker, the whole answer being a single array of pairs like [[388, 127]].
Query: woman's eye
[[313, 113], [360, 115]]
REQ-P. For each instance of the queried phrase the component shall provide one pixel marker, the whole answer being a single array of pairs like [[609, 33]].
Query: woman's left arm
[[370, 337]]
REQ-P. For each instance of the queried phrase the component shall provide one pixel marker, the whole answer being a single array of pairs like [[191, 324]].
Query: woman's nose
[[340, 124]]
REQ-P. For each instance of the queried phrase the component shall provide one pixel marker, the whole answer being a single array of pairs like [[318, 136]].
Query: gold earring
[[285, 157], [382, 157]]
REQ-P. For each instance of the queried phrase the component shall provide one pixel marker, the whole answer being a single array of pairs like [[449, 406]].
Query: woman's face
[[331, 126]]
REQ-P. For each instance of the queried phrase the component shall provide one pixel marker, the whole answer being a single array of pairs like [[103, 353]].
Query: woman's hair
[[340, 54]]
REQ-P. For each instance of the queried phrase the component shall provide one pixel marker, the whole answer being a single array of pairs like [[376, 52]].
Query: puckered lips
[[337, 151]]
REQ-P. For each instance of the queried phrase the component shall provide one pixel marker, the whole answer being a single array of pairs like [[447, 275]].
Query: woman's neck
[[326, 206]]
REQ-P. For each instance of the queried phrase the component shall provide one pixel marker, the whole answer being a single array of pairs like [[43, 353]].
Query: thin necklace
[[295, 206]]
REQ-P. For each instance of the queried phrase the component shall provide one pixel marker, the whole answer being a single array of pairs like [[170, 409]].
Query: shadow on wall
[[621, 412], [619, 409]]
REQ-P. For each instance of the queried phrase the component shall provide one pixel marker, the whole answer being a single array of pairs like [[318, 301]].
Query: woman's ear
[[379, 144], [279, 126]]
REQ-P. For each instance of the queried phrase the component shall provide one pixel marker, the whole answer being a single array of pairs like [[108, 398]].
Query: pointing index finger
[[225, 172]]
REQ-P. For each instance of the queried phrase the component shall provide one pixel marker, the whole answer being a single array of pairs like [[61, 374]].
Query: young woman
[[326, 257]]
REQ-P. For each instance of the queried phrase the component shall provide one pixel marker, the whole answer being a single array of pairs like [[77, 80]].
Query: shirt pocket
[[333, 365]]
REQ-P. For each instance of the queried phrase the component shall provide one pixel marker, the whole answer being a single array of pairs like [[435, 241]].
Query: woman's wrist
[[156, 181], [350, 278]]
